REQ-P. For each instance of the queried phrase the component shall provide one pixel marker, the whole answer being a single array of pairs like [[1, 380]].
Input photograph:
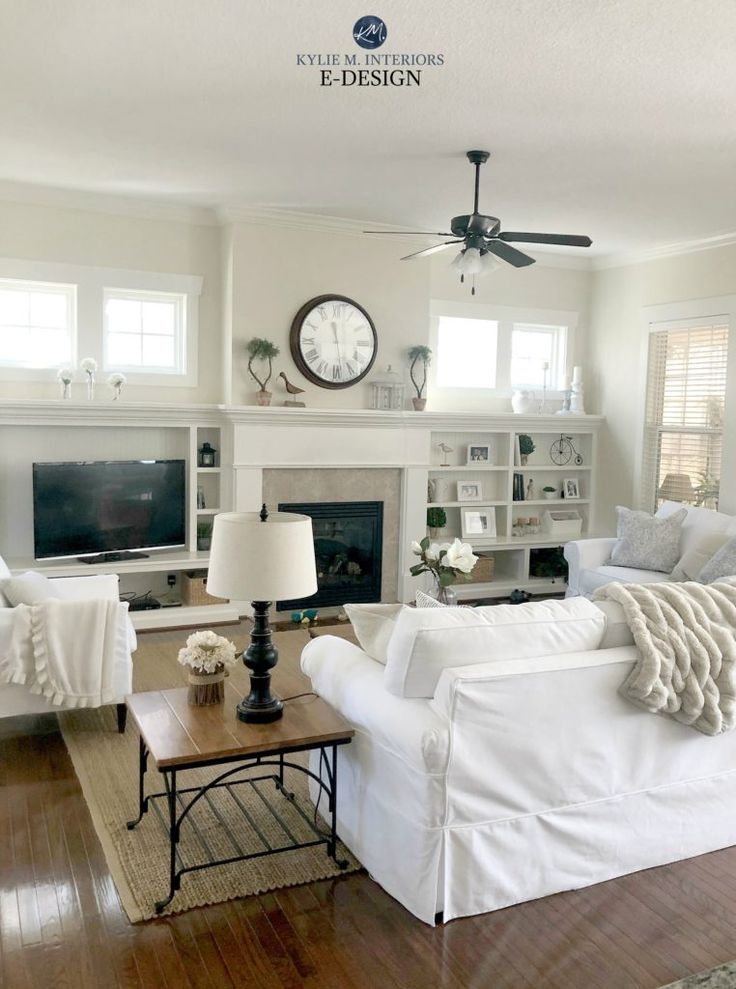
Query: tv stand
[[113, 557]]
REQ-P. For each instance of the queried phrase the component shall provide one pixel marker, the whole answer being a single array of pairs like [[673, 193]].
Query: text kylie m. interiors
[[397, 69]]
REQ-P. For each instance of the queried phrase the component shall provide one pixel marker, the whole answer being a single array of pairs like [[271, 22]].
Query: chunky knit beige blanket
[[686, 637]]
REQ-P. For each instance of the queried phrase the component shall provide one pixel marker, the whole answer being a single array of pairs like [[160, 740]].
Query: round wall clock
[[333, 341]]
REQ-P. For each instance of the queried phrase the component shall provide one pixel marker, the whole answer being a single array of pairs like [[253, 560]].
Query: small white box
[[562, 524]]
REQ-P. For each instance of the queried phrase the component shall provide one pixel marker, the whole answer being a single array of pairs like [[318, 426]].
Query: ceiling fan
[[482, 238]]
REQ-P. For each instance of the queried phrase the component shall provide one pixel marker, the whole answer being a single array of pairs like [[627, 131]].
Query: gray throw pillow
[[28, 588], [647, 542], [721, 564]]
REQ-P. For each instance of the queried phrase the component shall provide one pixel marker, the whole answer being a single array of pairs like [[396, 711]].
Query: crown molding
[[677, 249], [98, 202], [272, 216]]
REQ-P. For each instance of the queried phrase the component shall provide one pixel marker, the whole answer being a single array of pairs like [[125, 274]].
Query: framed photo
[[469, 491], [478, 522], [571, 488], [479, 453]]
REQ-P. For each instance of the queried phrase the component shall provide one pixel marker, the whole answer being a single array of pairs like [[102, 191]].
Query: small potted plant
[[264, 352], [204, 534], [549, 492], [436, 521], [419, 354], [526, 446]]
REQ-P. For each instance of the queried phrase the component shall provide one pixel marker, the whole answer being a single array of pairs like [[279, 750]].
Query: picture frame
[[469, 491], [479, 453], [571, 488], [478, 522]]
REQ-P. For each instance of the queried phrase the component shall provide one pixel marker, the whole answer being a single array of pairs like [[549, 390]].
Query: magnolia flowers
[[445, 561]]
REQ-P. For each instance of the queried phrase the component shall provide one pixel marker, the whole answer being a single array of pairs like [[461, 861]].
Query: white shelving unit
[[514, 561]]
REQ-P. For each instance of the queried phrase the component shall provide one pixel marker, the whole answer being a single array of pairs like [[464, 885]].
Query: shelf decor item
[[522, 401], [264, 352], [446, 562], [479, 453], [436, 521], [204, 534], [570, 488], [207, 657], [478, 522], [444, 450], [206, 456], [469, 491], [117, 382], [526, 447], [388, 391], [549, 492], [262, 558], [65, 376], [419, 354], [89, 366]]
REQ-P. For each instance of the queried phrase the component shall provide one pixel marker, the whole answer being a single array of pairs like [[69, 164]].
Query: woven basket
[[194, 589], [483, 570]]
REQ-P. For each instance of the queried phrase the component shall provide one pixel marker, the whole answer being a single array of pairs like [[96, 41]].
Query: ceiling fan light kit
[[482, 239]]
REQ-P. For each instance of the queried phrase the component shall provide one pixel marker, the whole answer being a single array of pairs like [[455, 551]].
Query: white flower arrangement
[[65, 375], [445, 561], [117, 381], [207, 652], [88, 365]]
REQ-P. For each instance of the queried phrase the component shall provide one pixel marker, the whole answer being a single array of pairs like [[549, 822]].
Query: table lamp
[[261, 558], [676, 487]]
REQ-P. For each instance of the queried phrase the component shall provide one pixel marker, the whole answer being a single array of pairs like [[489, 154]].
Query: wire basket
[[194, 589]]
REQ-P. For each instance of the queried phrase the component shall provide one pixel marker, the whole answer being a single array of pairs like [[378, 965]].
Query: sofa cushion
[[698, 521], [646, 541], [27, 588], [426, 641], [617, 631], [373, 625], [591, 579], [700, 552], [722, 564]]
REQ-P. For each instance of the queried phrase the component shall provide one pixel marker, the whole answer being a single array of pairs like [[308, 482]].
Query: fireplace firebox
[[348, 539]]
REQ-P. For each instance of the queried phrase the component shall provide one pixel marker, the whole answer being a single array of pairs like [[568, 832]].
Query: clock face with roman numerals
[[333, 341]]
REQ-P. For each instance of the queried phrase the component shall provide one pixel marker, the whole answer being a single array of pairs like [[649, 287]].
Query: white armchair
[[17, 699]]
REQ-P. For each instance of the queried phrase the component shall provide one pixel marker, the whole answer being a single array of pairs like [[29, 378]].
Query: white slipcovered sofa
[[18, 699], [515, 777], [588, 559]]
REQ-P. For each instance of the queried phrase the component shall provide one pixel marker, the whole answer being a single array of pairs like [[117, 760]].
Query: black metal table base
[[179, 802]]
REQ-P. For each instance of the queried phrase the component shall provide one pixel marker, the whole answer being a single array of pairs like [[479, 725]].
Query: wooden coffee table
[[178, 737]]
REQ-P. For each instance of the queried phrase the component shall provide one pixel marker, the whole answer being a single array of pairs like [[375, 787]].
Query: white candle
[[566, 383], [577, 374]]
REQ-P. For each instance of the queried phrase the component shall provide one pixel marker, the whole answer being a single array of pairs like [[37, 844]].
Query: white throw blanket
[[686, 636], [65, 650]]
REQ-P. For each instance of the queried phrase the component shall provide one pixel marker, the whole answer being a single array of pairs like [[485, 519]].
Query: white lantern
[[388, 391]]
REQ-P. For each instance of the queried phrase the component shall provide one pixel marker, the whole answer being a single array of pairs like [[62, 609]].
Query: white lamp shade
[[251, 560]]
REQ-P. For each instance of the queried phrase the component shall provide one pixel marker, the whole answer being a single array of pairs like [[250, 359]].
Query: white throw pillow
[[373, 625], [617, 631], [27, 588], [646, 541], [426, 641], [694, 559], [722, 564]]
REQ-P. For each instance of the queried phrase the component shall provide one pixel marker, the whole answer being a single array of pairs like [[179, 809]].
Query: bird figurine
[[445, 450], [292, 390]]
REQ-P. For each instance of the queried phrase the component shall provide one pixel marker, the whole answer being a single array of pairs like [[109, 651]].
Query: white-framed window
[[144, 332], [37, 324], [160, 344], [459, 336], [536, 348], [687, 368], [495, 349]]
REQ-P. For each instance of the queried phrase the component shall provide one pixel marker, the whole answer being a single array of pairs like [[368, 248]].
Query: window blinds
[[686, 390]]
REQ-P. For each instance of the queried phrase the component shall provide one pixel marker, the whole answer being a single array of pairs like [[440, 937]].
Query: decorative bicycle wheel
[[561, 451]]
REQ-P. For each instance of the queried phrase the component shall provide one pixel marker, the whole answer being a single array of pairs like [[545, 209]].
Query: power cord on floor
[[307, 693]]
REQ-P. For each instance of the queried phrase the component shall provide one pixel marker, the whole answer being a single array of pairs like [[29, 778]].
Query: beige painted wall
[[275, 271], [86, 237], [616, 356]]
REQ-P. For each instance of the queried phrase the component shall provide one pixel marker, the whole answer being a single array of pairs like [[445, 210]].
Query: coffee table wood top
[[177, 734]]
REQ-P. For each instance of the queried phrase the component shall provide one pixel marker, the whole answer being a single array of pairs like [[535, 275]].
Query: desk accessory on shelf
[[261, 558]]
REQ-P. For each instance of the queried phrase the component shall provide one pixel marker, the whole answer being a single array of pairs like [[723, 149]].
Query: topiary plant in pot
[[526, 446], [264, 352], [419, 354], [436, 520]]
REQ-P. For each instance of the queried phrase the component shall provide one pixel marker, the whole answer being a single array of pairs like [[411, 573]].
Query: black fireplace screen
[[348, 539]]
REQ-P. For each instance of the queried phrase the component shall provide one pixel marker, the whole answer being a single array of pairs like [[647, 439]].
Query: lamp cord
[[307, 693]]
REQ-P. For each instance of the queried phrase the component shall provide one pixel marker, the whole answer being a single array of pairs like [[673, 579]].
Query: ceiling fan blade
[[431, 250], [508, 253], [405, 233], [569, 240]]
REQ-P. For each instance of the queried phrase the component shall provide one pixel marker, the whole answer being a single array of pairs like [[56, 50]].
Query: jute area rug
[[723, 977], [106, 764]]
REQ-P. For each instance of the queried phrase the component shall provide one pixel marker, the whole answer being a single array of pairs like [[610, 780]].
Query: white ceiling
[[612, 118]]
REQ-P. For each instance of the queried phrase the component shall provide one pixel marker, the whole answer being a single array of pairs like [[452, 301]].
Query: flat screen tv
[[108, 507]]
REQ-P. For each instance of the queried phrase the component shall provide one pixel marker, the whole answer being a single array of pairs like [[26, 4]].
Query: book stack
[[517, 492]]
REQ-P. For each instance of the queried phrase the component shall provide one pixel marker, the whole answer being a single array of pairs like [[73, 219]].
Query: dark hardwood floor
[[61, 924]]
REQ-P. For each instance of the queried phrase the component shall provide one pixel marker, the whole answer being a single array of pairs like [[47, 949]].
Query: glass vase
[[445, 595], [90, 386], [66, 389]]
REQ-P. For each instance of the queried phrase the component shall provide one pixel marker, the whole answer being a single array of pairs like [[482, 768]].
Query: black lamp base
[[260, 707]]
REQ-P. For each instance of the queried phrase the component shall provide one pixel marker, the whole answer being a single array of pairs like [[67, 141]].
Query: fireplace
[[348, 539]]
